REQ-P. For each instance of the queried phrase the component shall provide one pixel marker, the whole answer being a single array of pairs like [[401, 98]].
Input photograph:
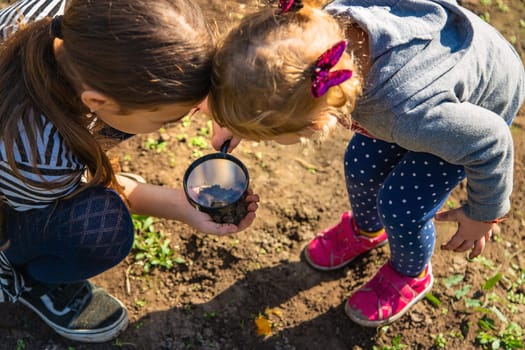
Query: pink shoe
[[387, 296], [337, 246]]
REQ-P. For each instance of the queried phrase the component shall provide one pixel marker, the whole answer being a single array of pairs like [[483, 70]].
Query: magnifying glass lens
[[217, 184]]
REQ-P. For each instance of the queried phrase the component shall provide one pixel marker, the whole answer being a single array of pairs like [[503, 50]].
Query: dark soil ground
[[219, 286]]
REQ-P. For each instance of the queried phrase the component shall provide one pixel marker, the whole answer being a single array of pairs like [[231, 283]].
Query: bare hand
[[221, 135], [204, 223], [471, 234]]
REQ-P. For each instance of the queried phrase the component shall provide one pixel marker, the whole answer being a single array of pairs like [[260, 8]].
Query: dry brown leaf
[[262, 325]]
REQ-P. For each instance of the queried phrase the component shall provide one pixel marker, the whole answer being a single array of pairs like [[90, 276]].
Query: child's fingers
[[465, 246], [454, 243], [478, 248], [253, 206], [252, 198], [480, 244], [449, 215], [247, 221]]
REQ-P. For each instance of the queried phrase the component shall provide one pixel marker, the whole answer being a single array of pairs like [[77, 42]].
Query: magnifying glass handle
[[225, 146]]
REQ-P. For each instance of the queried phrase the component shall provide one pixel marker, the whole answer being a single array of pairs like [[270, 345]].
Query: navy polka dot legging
[[73, 240], [401, 191]]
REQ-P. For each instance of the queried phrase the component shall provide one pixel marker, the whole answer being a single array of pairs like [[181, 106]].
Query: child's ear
[[95, 100]]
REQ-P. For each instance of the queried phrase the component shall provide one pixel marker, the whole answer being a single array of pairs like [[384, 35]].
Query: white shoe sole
[[85, 335]]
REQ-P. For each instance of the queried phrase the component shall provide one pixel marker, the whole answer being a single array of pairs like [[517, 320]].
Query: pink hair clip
[[287, 5], [322, 78]]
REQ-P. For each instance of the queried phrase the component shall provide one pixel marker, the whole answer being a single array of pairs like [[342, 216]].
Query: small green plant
[[211, 314], [20, 344], [510, 338], [142, 223], [440, 341], [172, 159], [154, 251], [475, 303], [433, 299], [260, 161], [456, 334], [150, 247], [205, 130], [140, 303], [155, 145], [491, 282], [460, 293], [503, 7], [181, 137], [396, 344], [186, 121], [516, 297], [199, 142], [487, 263], [453, 280]]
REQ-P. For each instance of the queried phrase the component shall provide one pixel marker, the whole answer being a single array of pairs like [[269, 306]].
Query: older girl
[[70, 87]]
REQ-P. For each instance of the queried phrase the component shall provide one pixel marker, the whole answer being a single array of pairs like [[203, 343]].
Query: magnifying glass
[[217, 184]]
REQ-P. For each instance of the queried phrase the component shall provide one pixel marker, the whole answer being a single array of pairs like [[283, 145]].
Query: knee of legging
[[107, 220], [405, 224], [392, 214], [98, 199], [358, 179], [120, 215]]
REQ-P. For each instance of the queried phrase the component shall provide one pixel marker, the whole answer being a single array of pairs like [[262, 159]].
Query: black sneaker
[[78, 311], [11, 283]]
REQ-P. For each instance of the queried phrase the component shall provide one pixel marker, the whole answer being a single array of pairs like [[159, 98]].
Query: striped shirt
[[53, 161], [25, 11]]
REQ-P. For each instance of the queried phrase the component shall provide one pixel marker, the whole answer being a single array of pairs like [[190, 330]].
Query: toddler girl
[[432, 90]]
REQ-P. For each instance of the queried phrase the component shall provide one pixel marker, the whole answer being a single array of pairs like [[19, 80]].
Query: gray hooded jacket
[[443, 82]]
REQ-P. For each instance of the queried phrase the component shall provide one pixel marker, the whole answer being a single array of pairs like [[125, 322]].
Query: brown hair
[[140, 53], [261, 77]]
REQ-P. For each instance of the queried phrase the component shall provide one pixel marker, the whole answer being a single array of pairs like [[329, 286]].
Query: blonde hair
[[261, 76]]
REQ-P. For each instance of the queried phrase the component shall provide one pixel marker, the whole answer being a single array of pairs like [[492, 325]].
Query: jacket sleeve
[[473, 137]]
